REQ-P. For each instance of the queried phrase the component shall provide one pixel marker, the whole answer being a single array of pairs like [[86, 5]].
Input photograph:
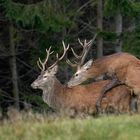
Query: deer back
[[117, 64]]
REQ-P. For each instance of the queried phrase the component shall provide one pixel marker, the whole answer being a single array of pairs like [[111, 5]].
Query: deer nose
[[33, 85]]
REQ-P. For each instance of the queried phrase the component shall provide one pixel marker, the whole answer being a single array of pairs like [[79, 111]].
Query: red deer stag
[[124, 68], [81, 99]]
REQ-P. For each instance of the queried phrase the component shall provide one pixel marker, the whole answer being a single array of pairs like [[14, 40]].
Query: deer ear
[[88, 64], [54, 69]]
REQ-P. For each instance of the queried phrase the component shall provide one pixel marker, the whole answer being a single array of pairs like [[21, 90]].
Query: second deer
[[123, 68]]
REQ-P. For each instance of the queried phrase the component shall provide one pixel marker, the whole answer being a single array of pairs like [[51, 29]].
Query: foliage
[[44, 16], [132, 42], [110, 36], [125, 6], [129, 9]]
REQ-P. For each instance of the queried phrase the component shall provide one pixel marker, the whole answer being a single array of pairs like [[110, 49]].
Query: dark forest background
[[28, 27]]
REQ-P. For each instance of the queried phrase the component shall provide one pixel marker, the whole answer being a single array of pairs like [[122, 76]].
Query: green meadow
[[121, 127]]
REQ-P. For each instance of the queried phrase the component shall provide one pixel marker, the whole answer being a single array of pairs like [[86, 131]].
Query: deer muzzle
[[34, 85]]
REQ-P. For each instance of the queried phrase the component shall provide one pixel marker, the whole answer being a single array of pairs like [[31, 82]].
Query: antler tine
[[81, 57], [48, 54], [80, 42], [76, 55], [86, 48], [57, 57], [70, 63], [86, 45], [65, 50], [38, 63], [41, 64], [90, 42]]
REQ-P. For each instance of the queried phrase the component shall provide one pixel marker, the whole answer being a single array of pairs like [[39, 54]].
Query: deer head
[[45, 78], [81, 74], [82, 70], [47, 75]]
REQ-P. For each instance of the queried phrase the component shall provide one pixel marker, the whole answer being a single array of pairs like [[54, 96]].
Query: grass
[[123, 127]]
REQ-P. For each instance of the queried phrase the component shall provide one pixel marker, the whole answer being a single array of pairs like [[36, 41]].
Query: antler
[[71, 64], [42, 65], [86, 46], [58, 59]]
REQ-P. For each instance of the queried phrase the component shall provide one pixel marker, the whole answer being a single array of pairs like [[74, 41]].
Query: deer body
[[82, 98], [126, 68], [113, 64]]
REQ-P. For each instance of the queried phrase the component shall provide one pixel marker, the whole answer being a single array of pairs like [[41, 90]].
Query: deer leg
[[115, 82], [133, 105]]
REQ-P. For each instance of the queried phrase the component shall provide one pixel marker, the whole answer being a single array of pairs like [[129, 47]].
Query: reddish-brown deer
[[124, 68], [79, 98]]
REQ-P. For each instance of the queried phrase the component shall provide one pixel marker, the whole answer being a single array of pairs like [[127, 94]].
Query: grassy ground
[[123, 127]]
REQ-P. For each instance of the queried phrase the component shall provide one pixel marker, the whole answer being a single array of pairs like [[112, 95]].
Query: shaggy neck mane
[[52, 93]]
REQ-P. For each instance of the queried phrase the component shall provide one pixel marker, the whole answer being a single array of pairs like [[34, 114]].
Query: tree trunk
[[64, 33], [118, 24], [13, 65], [100, 27]]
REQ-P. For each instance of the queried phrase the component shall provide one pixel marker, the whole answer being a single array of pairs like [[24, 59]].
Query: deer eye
[[76, 75], [45, 76]]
